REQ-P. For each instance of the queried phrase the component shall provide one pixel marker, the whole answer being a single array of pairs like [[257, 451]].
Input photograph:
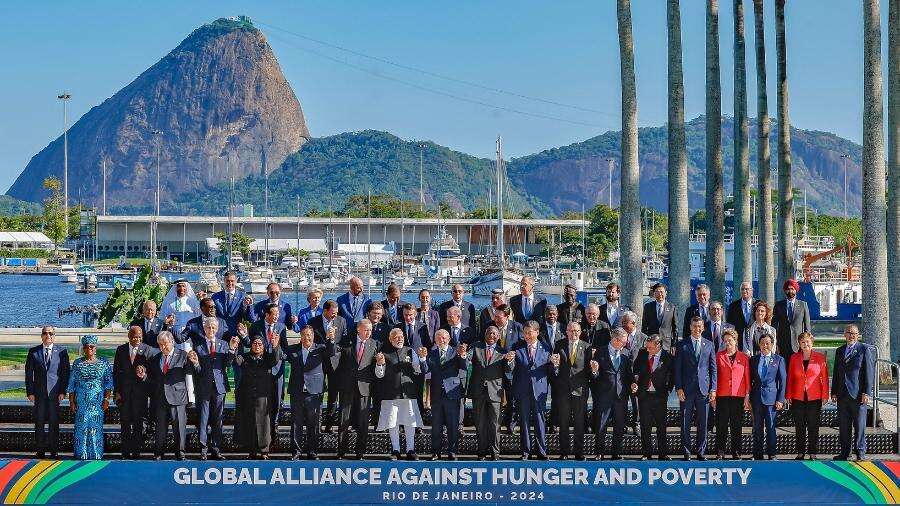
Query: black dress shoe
[[840, 457], [179, 456], [157, 457], [264, 456], [579, 457], [598, 457], [295, 456], [563, 457], [435, 456], [664, 458], [800, 456], [203, 456], [360, 456], [493, 456], [735, 456], [451, 457], [701, 457], [686, 457], [39, 455], [643, 458], [411, 455], [860, 457], [757, 457], [541, 457], [720, 456], [524, 456], [771, 457], [616, 457], [812, 456], [125, 456], [395, 455], [312, 456], [54, 455], [218, 456], [481, 458]]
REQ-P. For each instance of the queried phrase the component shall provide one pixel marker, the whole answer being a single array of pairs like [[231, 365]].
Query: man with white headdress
[[182, 303]]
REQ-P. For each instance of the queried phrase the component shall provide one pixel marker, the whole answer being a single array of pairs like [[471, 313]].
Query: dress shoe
[[579, 457], [126, 456], [800, 456], [203, 456], [339, 456], [179, 456], [312, 456], [451, 457], [217, 456], [435, 457], [295, 456], [493, 457], [735, 456], [551, 430], [542, 457], [563, 457], [598, 457], [860, 457], [524, 456], [360, 456], [664, 458], [264, 456], [812, 456], [701, 457], [616, 457], [686, 457], [39, 455], [481, 458], [395, 455], [757, 457], [54, 455], [643, 458], [840, 457], [157, 457], [412, 455], [720, 456]]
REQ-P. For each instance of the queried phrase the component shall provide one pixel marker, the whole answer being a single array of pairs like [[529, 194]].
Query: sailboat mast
[[500, 247]]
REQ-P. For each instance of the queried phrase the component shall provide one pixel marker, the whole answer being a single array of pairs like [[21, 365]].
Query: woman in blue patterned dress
[[90, 388]]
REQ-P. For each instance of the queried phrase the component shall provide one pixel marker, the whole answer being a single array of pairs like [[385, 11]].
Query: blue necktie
[[790, 311], [764, 367], [848, 351]]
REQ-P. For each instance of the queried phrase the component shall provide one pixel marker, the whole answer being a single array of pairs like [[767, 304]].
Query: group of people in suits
[[395, 359]]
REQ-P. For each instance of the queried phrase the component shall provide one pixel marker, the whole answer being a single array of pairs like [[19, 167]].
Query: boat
[[289, 262], [208, 282], [67, 274], [257, 279], [237, 262], [444, 258], [86, 279]]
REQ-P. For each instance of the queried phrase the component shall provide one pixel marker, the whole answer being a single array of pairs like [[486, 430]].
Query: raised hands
[[510, 356], [242, 330], [192, 356], [595, 366], [170, 320], [233, 344], [141, 372], [554, 359], [379, 358], [461, 350], [422, 352]]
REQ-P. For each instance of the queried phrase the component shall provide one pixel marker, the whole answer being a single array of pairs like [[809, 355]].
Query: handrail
[[895, 367]]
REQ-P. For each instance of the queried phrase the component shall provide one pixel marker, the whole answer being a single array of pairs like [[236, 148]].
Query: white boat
[[237, 261], [283, 278], [258, 279], [208, 282], [67, 274], [289, 262]]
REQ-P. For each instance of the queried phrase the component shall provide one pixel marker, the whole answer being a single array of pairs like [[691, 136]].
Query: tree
[[765, 250], [874, 245], [54, 217], [715, 212], [240, 242], [893, 215], [679, 236], [743, 263], [786, 265], [632, 278]]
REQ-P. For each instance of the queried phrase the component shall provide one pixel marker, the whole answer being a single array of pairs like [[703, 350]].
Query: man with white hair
[[211, 385], [354, 304], [701, 309], [611, 379], [527, 305], [596, 331], [354, 365], [740, 311]]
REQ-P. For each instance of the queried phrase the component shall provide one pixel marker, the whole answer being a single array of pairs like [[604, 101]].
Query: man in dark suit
[[287, 317], [634, 344], [329, 323], [714, 330], [195, 327], [510, 330], [790, 317], [270, 328], [466, 309], [528, 305], [740, 311], [459, 333], [768, 382], [570, 310], [211, 385], [354, 366], [611, 378], [354, 304], [429, 317], [151, 324], [489, 368], [596, 331], [231, 305], [530, 385], [380, 329], [695, 382], [611, 310], [306, 387], [654, 372], [551, 331], [46, 379], [701, 309], [393, 312], [130, 393], [571, 358], [167, 369], [661, 317], [415, 335], [852, 385], [446, 364], [486, 316]]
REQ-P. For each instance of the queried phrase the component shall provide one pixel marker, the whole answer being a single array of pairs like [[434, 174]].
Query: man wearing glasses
[[46, 379], [852, 385], [466, 308]]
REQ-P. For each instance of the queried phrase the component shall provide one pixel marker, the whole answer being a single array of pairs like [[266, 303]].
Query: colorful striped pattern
[[37, 481], [873, 483]]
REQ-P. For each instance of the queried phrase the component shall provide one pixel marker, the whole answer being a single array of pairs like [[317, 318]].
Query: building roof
[[24, 238]]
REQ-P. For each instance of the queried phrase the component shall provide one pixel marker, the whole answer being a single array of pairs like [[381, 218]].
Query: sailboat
[[499, 276]]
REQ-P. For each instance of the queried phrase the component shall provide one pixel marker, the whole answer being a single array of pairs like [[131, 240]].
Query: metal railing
[[894, 367]]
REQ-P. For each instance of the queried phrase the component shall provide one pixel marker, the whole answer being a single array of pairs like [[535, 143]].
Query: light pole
[[65, 100], [155, 228], [104, 186], [609, 165], [846, 159], [422, 176]]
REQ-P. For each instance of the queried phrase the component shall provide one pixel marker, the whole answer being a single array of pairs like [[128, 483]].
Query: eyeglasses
[[47, 333]]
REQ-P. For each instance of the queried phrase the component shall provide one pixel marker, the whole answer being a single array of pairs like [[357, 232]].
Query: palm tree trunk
[[629, 207], [743, 263], [715, 213], [786, 264], [765, 256], [874, 244], [893, 215], [679, 218]]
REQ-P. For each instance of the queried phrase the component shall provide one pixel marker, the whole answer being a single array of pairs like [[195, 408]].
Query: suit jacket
[[616, 316], [572, 379], [812, 381], [667, 328], [853, 375], [345, 308], [340, 329], [380, 331], [769, 389], [611, 384], [689, 314], [734, 378], [538, 306], [432, 321], [468, 314], [719, 342], [530, 378], [232, 312], [194, 332], [259, 329], [259, 310], [788, 330], [548, 340], [419, 336], [392, 321], [662, 376], [445, 376], [636, 343], [512, 337], [351, 375], [44, 380], [399, 380], [213, 377], [308, 377], [466, 335], [597, 335], [735, 316], [156, 325], [170, 386], [125, 380], [696, 376], [305, 315], [487, 377], [574, 313]]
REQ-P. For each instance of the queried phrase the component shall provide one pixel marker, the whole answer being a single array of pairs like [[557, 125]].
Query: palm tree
[[786, 264], [629, 208], [893, 216], [743, 266], [765, 255], [874, 244], [715, 212], [679, 219]]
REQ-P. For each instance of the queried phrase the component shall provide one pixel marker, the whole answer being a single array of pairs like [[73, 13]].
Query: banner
[[126, 482]]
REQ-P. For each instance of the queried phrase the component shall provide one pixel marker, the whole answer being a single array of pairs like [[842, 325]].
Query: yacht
[[289, 262], [208, 282], [67, 274], [258, 279]]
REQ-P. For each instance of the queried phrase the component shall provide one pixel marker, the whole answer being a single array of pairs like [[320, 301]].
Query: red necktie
[[359, 352], [165, 364], [212, 349], [649, 377], [490, 355]]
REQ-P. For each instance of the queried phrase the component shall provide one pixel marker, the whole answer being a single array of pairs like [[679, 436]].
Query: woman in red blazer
[[807, 392], [733, 384]]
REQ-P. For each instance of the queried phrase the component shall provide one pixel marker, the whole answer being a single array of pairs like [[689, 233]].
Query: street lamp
[[65, 100], [155, 228], [846, 159], [609, 166]]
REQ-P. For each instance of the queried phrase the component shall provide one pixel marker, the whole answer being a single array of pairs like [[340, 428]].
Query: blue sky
[[565, 52]]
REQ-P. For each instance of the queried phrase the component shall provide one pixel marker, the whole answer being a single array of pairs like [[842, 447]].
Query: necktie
[[270, 334], [531, 353], [746, 312], [490, 354], [649, 378], [847, 352], [659, 312], [617, 358], [443, 353], [572, 355], [359, 351], [715, 333], [228, 297], [46, 356], [527, 307], [146, 326], [703, 312], [355, 306], [790, 308], [409, 333], [165, 367], [212, 348], [764, 366], [503, 338], [133, 352], [456, 334], [697, 348]]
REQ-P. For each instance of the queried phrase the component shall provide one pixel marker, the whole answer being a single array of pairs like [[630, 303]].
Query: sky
[[541, 74]]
